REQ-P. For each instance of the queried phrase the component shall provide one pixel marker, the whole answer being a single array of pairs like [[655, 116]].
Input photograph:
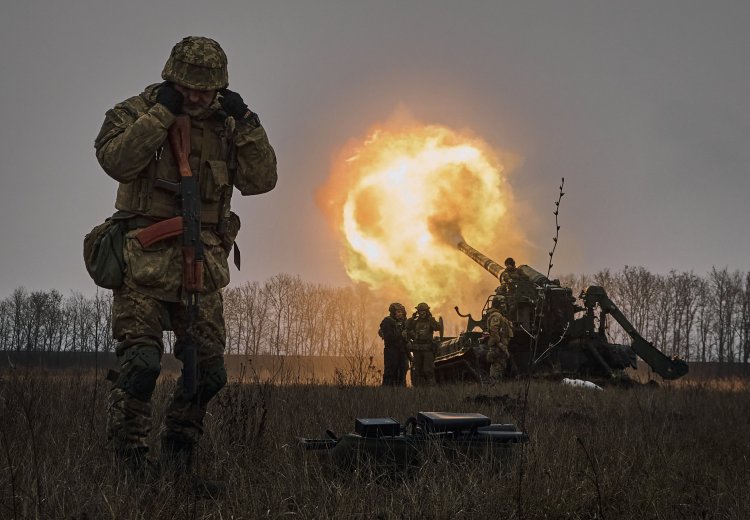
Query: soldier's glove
[[168, 96], [235, 106]]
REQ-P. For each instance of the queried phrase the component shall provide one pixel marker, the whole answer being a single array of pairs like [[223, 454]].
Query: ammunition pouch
[[215, 266], [228, 229], [103, 252], [214, 180]]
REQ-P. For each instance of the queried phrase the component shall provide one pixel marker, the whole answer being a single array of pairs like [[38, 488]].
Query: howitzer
[[387, 444], [548, 334]]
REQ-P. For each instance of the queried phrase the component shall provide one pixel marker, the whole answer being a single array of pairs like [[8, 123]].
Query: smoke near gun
[[402, 197]]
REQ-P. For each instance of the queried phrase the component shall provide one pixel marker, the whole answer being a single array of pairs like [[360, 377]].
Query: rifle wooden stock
[[179, 143], [160, 231]]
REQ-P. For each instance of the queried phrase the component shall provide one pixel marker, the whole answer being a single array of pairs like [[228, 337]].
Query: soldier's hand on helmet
[[235, 106], [168, 96]]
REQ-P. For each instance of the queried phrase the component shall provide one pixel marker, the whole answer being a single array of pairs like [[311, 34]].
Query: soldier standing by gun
[[395, 346], [420, 329], [178, 150]]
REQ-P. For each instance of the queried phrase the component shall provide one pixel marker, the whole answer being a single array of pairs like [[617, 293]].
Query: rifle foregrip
[[198, 275], [192, 271]]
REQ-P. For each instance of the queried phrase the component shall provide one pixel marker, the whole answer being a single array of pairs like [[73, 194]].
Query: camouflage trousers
[[395, 365], [138, 322], [423, 365], [497, 357]]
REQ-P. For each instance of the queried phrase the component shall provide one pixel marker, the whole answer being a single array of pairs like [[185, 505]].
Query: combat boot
[[176, 456], [177, 459], [207, 488], [134, 464]]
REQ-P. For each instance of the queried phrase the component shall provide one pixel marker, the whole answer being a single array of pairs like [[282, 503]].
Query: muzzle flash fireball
[[403, 197]]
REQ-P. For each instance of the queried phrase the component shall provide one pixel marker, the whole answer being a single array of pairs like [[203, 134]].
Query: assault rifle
[[192, 246], [188, 224]]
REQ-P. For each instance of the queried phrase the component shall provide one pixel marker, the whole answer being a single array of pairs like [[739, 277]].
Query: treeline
[[700, 318], [282, 315]]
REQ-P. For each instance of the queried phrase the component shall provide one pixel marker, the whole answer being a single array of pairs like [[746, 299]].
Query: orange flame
[[402, 199]]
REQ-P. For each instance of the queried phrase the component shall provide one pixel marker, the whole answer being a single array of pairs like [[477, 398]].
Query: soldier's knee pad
[[213, 378], [140, 370]]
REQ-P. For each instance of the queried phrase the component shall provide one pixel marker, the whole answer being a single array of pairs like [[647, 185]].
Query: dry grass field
[[677, 451]]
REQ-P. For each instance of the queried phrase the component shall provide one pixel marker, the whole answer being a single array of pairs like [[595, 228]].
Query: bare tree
[[18, 306], [744, 320], [725, 286]]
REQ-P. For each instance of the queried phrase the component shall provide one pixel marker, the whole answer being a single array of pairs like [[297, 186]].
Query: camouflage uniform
[[395, 346], [509, 282], [225, 153], [420, 331], [500, 330], [510, 277]]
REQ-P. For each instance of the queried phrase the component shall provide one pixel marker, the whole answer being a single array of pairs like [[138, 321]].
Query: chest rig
[[212, 160], [423, 331]]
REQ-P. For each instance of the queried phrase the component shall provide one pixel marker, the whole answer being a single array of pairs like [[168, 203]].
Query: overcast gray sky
[[643, 106]]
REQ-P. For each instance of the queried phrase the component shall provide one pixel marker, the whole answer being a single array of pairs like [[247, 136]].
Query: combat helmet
[[198, 63], [423, 307], [395, 307]]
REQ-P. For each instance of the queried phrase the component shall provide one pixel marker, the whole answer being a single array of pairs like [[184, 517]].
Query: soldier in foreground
[[225, 147], [395, 346], [500, 331], [420, 329]]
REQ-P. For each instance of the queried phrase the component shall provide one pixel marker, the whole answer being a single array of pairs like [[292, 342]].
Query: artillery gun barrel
[[534, 275], [496, 269], [487, 263]]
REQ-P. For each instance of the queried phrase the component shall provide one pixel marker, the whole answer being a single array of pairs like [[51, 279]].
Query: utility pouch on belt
[[103, 252]]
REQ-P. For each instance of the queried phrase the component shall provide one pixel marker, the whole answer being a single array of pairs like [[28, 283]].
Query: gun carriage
[[553, 332]]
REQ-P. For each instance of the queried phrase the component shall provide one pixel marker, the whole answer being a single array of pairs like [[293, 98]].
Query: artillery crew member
[[500, 331], [395, 346], [511, 275], [226, 147], [420, 329], [509, 281]]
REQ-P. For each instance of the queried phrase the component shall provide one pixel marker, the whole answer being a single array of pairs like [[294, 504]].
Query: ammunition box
[[379, 427]]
